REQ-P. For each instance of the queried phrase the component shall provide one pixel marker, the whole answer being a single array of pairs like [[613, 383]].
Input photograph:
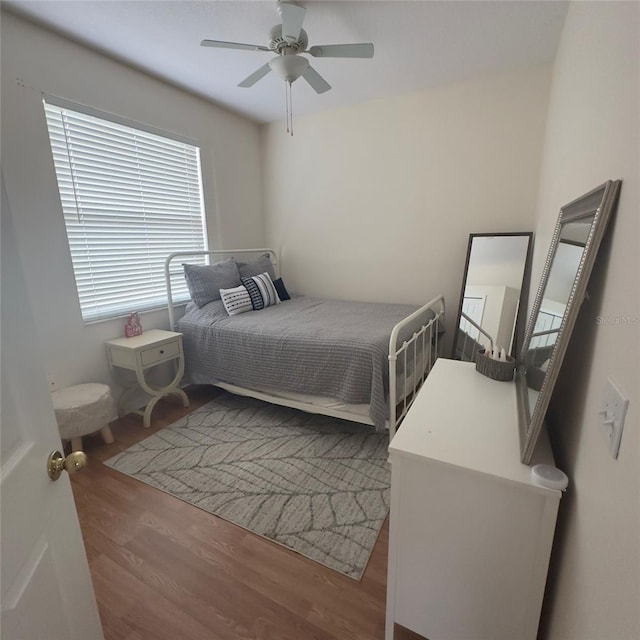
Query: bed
[[331, 357]]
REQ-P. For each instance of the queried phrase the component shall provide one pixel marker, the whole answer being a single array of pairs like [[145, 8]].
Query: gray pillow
[[205, 281], [256, 267]]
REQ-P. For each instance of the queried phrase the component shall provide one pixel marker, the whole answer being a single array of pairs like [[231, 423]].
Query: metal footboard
[[420, 351]]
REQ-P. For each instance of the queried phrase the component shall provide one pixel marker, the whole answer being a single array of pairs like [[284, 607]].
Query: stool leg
[[76, 444], [107, 436]]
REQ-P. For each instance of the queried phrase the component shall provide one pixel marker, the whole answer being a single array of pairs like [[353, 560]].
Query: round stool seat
[[82, 409]]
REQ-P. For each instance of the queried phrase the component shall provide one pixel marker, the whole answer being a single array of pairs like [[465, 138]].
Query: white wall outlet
[[613, 410]]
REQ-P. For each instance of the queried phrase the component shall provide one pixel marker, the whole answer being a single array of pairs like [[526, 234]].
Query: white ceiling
[[418, 44]]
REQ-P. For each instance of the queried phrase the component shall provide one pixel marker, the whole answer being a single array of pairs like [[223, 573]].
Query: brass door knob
[[56, 463]]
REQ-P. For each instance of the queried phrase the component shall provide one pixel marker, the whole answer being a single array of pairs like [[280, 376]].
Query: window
[[130, 198]]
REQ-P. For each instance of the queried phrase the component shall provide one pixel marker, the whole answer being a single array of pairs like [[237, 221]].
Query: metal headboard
[[219, 254]]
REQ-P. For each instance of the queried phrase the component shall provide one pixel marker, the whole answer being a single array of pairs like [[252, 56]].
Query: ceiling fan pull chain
[[286, 103], [288, 107], [291, 108]]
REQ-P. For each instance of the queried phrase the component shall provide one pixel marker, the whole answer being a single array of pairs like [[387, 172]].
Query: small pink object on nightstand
[[133, 326]]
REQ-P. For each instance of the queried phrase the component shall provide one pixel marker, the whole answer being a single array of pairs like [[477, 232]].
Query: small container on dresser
[[493, 368]]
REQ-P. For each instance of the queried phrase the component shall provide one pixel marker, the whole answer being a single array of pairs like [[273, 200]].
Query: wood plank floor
[[163, 569]]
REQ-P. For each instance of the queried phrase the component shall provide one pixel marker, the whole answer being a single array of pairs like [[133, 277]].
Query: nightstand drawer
[[154, 355]]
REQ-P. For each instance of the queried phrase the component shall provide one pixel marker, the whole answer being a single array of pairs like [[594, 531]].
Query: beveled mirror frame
[[598, 203]]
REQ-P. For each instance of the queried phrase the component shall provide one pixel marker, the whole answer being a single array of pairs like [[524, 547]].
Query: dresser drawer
[[154, 355]]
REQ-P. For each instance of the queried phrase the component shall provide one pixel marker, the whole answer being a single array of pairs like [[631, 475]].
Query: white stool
[[83, 409]]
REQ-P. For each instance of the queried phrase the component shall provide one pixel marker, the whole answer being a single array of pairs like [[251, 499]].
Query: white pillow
[[236, 300]]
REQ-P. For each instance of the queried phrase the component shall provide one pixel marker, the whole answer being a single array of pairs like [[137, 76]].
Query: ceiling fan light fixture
[[289, 67]]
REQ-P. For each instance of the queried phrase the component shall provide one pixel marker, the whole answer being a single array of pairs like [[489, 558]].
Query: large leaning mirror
[[491, 312], [576, 239]]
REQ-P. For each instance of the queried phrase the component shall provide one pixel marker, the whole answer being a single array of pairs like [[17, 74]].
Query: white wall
[[376, 201], [593, 135], [36, 61]]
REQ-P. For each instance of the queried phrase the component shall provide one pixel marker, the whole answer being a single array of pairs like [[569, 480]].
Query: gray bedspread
[[306, 345]]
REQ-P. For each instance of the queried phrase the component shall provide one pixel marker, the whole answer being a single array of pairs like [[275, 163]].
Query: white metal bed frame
[[422, 348]]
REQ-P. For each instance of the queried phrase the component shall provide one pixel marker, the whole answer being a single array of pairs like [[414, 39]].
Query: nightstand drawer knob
[[161, 351]]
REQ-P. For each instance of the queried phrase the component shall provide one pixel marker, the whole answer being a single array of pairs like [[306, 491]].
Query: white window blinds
[[130, 198]]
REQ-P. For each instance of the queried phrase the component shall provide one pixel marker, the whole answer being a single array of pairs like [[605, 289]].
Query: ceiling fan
[[289, 40]]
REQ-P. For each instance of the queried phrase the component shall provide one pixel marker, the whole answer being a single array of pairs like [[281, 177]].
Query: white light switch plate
[[611, 417]]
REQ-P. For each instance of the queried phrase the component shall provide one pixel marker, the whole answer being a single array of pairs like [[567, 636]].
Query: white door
[[46, 585]]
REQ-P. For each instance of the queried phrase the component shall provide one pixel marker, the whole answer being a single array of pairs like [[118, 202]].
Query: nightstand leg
[[182, 395], [146, 417], [152, 403]]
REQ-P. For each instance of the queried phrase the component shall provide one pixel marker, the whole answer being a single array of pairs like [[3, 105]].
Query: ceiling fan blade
[[292, 18], [317, 82], [359, 50], [220, 44], [249, 81]]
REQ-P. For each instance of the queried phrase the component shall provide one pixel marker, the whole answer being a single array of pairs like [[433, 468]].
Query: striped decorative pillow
[[236, 300], [261, 290]]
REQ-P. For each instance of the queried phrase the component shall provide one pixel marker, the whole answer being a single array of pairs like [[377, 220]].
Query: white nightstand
[[142, 352]]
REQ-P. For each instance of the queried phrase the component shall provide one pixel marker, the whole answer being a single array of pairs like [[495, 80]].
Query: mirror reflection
[[553, 305], [491, 294]]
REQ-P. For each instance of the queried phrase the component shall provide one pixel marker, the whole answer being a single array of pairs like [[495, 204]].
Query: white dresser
[[470, 533]]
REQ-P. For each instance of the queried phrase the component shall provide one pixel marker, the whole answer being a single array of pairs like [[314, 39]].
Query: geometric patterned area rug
[[315, 484]]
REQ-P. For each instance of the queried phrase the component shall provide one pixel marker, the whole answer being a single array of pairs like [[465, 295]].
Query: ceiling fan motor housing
[[277, 41]]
